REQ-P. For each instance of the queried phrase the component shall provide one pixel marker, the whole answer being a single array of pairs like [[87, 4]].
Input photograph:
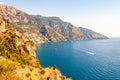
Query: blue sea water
[[83, 60]]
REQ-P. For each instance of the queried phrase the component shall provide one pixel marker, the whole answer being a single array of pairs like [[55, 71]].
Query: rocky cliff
[[22, 22], [18, 59], [43, 29], [89, 34]]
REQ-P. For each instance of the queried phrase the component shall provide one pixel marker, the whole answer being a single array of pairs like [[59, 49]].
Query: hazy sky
[[102, 16]]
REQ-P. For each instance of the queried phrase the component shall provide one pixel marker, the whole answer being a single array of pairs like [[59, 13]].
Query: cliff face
[[30, 32], [13, 15], [67, 29], [89, 34], [22, 22], [51, 34], [18, 59], [31, 26], [28, 26]]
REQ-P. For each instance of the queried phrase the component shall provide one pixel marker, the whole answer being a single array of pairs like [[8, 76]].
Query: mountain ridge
[[54, 28]]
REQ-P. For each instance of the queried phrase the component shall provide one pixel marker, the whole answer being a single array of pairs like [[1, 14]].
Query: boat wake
[[90, 53], [86, 51]]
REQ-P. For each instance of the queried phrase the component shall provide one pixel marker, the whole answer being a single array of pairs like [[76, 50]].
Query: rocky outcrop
[[51, 34], [13, 15], [31, 32]]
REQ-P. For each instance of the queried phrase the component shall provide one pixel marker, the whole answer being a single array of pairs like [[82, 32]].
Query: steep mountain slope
[[27, 25], [89, 34], [67, 29], [30, 32], [18, 59], [31, 26], [22, 22]]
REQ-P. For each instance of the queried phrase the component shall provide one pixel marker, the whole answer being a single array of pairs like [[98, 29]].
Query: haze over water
[[83, 60]]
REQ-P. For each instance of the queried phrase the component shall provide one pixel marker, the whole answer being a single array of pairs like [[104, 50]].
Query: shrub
[[42, 72], [48, 78], [54, 67], [28, 75], [7, 71]]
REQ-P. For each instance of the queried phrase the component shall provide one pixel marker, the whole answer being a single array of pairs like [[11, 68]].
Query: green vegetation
[[47, 19], [10, 50], [41, 20], [7, 70], [42, 72], [54, 67], [28, 75]]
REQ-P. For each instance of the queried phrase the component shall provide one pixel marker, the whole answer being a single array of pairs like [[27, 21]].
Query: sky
[[102, 16]]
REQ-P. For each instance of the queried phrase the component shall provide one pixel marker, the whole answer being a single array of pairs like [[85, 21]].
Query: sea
[[83, 60]]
